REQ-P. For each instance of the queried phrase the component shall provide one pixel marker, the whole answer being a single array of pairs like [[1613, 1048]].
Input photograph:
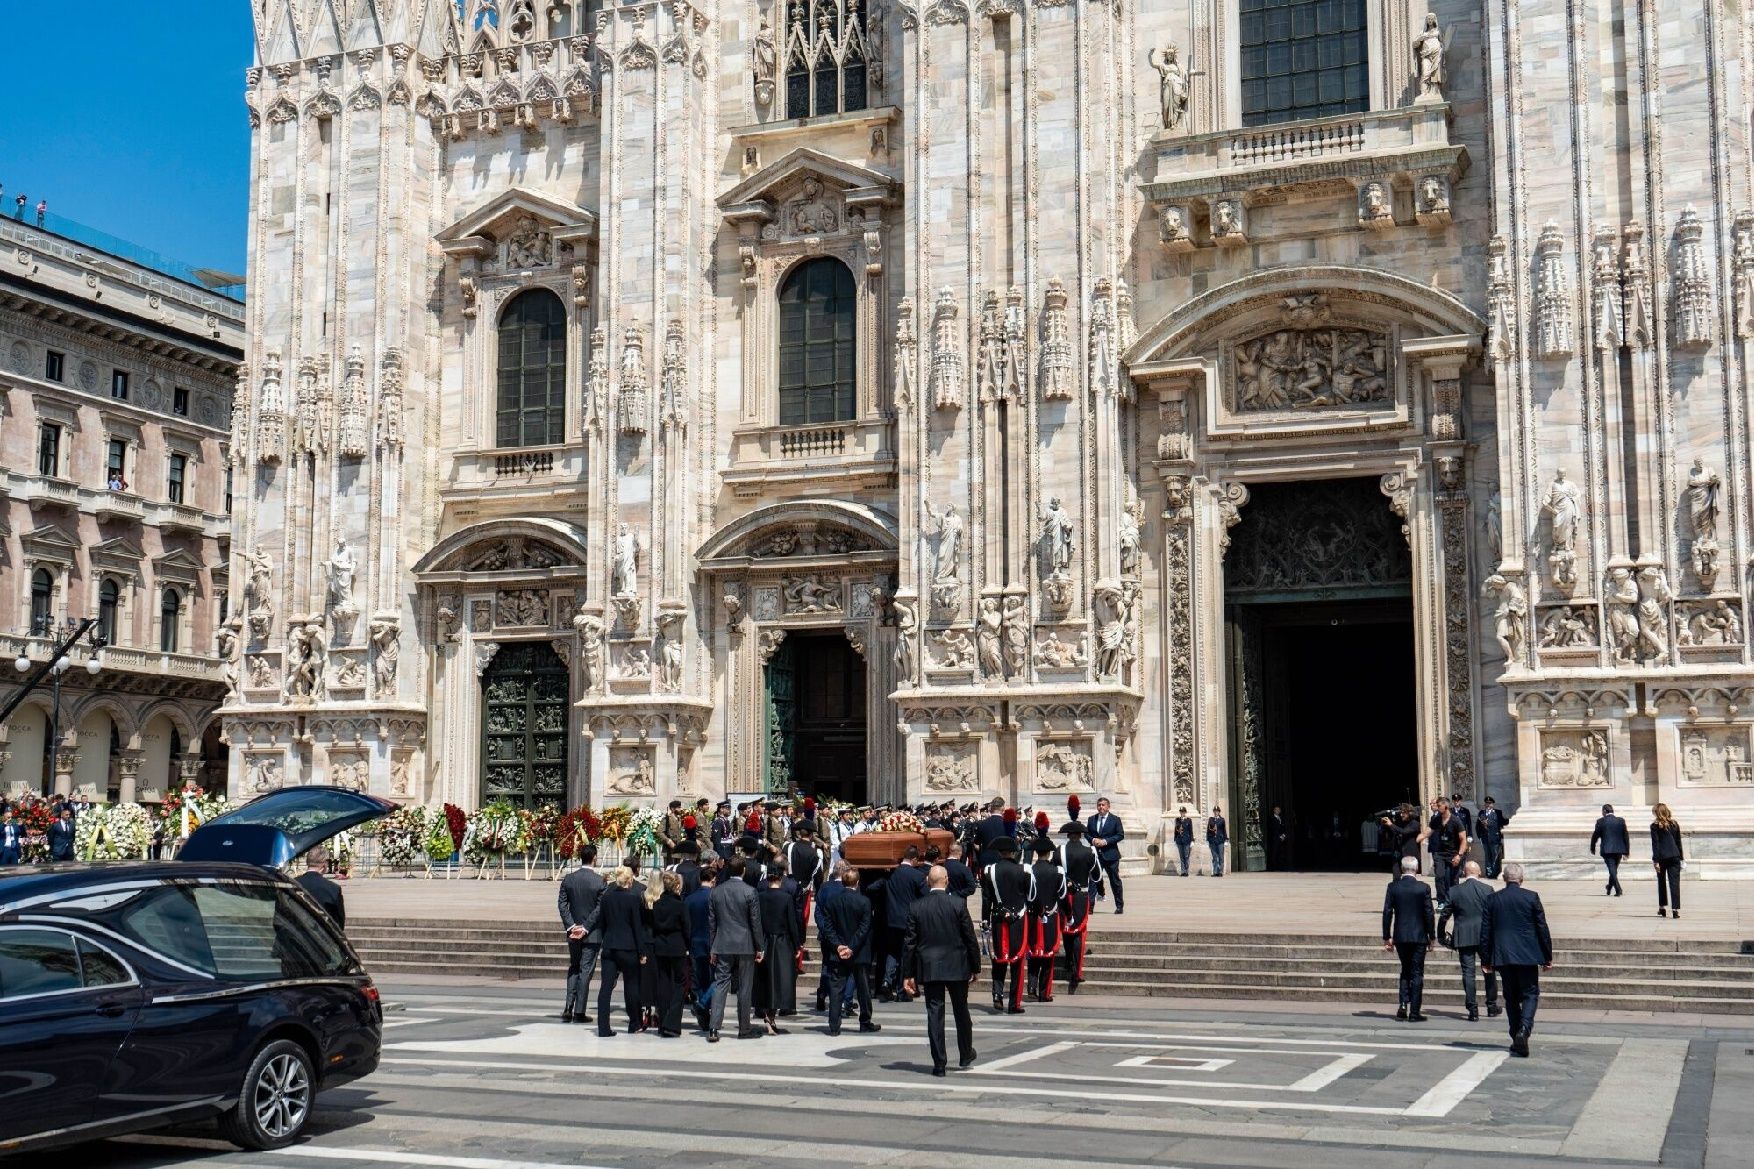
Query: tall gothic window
[[42, 601], [1302, 59], [827, 59], [532, 371], [816, 344], [109, 602], [170, 609]]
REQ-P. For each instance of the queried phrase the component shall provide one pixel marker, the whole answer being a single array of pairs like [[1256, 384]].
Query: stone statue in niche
[[306, 649], [986, 637], [1056, 533], [1564, 506], [1428, 61], [1622, 600], [624, 563], [528, 246], [591, 649], [1172, 85], [1653, 612], [1495, 526], [1016, 635], [1704, 488], [636, 662], [763, 60], [1508, 616], [948, 526], [258, 602], [810, 213], [386, 638], [1303, 369], [1129, 537], [906, 625], [341, 569], [261, 673], [1111, 629], [226, 649], [670, 624]]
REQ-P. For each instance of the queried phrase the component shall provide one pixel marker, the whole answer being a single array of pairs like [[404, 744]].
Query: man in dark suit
[[687, 866], [1616, 845], [1409, 929], [1489, 825], [698, 906], [843, 923], [1467, 906], [906, 885], [11, 839], [61, 835], [962, 882], [1278, 840], [322, 890], [1105, 833], [580, 891], [734, 920], [941, 954], [987, 832], [1514, 941]]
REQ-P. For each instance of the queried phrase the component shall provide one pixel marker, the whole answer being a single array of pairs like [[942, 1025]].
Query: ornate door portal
[[1317, 588], [782, 717], [525, 695]]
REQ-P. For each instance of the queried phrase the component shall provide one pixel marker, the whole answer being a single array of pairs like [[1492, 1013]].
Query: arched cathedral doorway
[[816, 718], [1319, 636], [524, 700]]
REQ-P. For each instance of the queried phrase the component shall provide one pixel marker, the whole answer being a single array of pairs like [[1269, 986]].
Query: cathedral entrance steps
[[1646, 974]]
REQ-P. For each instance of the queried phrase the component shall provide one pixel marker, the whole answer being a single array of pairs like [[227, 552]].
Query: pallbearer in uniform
[[1009, 888], [1079, 865], [1044, 919]]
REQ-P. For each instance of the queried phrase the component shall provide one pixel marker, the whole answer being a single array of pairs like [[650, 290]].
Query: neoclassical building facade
[[1215, 403]]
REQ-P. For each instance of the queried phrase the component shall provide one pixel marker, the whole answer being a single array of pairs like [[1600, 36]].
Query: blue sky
[[129, 117]]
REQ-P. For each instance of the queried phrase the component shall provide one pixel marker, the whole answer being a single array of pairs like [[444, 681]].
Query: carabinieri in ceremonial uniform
[[1009, 888], [1078, 862], [1044, 919]]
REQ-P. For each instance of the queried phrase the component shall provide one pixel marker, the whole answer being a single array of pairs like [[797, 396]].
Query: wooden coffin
[[883, 850]]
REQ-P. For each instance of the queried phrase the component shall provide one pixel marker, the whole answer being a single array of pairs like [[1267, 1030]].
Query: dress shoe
[[566, 1016], [1401, 1012], [1619, 892], [583, 1019], [1676, 915], [712, 1036], [939, 1072], [1519, 1045], [869, 1028], [821, 1005], [787, 1014], [752, 1033], [1473, 1014], [1015, 1011], [1662, 912], [967, 1061], [1119, 911], [1493, 1010], [602, 1034], [1416, 1017], [669, 1034], [834, 1033]]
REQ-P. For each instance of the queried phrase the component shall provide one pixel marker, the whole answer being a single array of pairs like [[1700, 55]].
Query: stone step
[[1110, 958]]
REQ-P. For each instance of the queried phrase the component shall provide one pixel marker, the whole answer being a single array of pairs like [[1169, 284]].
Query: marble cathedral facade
[[1058, 358]]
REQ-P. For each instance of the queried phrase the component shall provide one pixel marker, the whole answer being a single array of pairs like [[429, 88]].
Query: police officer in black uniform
[[1044, 919], [1009, 889], [1079, 864]]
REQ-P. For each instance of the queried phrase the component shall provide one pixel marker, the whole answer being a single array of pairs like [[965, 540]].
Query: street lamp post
[[68, 633]]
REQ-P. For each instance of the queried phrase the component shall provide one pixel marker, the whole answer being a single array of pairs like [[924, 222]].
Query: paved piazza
[[486, 1078]]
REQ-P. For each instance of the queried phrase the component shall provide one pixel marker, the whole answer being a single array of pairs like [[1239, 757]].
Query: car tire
[[279, 1092]]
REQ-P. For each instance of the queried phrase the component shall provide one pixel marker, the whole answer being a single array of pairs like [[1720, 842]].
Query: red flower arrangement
[[457, 820], [579, 826]]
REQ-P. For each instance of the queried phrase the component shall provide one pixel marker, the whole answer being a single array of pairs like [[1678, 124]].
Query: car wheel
[[279, 1091]]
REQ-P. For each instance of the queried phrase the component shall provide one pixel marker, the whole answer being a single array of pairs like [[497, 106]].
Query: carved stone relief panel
[[350, 770], [402, 776], [1574, 758], [952, 768], [1307, 369], [631, 772], [264, 771], [1715, 757], [1065, 765]]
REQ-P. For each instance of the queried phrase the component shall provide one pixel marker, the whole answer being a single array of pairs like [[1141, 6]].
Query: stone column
[[128, 765], [66, 759]]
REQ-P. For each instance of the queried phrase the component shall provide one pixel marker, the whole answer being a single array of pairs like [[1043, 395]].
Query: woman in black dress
[[626, 948], [669, 953], [777, 976], [1666, 857]]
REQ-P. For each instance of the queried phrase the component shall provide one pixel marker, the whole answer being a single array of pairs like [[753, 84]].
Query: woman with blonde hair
[[626, 948], [1666, 857]]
